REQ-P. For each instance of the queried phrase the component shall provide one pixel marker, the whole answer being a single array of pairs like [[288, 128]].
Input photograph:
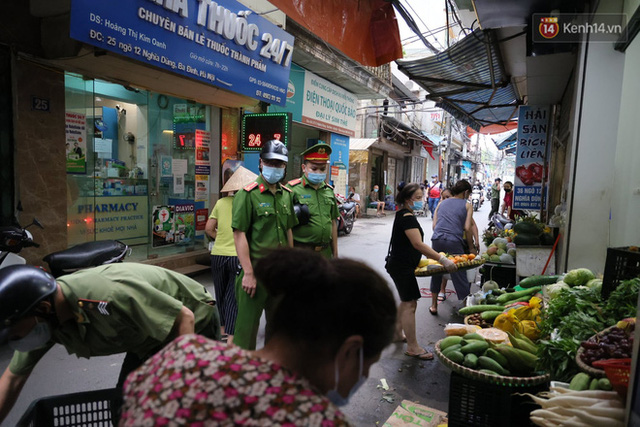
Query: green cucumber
[[490, 316], [594, 384], [464, 311], [456, 357], [470, 361], [455, 347], [475, 347], [531, 281], [493, 354], [449, 341], [604, 384], [472, 336], [489, 363], [507, 298], [580, 382], [488, 371]]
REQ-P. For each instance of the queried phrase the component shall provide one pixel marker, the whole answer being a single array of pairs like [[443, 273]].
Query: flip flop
[[422, 356], [442, 297], [433, 312]]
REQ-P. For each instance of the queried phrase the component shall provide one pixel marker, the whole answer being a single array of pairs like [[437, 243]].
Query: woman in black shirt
[[406, 249]]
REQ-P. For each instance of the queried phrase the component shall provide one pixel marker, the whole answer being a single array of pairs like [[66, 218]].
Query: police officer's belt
[[312, 246]]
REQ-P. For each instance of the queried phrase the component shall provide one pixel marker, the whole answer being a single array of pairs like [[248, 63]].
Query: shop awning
[[507, 142], [468, 80], [402, 128], [361, 143], [366, 31]]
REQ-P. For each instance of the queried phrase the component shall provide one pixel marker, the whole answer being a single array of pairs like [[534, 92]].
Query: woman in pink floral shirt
[[332, 322]]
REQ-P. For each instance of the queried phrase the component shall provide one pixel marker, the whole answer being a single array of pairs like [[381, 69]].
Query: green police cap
[[317, 153]]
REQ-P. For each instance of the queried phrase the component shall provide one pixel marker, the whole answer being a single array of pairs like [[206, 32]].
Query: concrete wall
[[593, 157], [625, 200], [40, 166]]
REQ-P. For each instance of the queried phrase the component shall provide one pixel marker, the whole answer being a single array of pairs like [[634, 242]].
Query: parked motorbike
[[500, 222], [476, 199], [91, 254], [347, 212], [13, 240]]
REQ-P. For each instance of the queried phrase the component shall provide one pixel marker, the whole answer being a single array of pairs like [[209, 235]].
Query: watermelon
[[524, 227]]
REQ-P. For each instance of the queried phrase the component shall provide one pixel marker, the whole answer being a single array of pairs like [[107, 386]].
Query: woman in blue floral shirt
[[333, 320]]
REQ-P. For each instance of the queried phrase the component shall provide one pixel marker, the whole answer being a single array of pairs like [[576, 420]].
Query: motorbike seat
[[84, 255]]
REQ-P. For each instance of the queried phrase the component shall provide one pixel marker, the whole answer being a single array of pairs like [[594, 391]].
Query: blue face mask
[[375, 189], [335, 397], [37, 338], [272, 175], [417, 205], [316, 178]]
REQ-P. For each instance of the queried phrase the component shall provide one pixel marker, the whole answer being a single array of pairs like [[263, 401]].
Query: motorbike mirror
[[36, 223]]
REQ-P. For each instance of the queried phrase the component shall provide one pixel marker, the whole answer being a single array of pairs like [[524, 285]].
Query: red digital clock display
[[260, 128]]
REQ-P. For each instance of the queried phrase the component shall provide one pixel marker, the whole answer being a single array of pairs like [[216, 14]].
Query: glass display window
[[138, 167]]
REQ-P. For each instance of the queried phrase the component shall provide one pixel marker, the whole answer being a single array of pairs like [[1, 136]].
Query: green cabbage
[[579, 277], [595, 284], [555, 289]]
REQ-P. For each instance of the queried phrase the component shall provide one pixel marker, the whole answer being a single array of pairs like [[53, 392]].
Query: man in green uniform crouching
[[118, 308], [262, 219], [319, 229]]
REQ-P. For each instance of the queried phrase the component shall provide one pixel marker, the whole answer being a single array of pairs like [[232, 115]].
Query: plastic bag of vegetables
[[506, 321], [531, 311]]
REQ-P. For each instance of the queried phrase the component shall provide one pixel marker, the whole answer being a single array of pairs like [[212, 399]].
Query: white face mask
[[37, 338], [334, 395]]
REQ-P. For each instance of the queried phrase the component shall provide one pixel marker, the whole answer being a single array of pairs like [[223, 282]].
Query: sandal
[[422, 356], [433, 312], [442, 297]]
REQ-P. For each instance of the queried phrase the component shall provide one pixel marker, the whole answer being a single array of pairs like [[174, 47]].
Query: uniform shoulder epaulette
[[250, 187], [295, 181], [89, 304], [286, 188]]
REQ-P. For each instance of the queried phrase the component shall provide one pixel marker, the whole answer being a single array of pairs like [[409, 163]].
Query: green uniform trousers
[[326, 252], [249, 313]]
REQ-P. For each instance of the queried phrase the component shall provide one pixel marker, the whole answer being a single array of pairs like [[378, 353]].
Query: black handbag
[[387, 258]]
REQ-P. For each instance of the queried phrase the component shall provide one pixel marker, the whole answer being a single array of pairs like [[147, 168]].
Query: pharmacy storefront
[[143, 156]]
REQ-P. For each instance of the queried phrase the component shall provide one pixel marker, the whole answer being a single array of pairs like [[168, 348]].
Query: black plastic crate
[[622, 264], [477, 403], [503, 274], [90, 409]]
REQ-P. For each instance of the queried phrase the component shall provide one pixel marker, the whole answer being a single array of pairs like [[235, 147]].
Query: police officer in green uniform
[[118, 308], [262, 220], [320, 232]]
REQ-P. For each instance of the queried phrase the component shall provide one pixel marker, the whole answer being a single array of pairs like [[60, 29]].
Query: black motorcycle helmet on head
[[22, 287], [274, 150]]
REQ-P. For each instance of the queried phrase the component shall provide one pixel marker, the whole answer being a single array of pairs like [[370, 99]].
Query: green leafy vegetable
[[557, 357], [622, 302], [573, 315]]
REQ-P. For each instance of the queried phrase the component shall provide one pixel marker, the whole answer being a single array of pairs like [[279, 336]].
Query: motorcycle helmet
[[274, 150], [22, 287]]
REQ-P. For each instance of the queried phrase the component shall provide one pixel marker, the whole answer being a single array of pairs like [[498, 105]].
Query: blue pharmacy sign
[[220, 43], [533, 127]]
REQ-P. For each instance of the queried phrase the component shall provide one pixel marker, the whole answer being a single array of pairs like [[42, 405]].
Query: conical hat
[[240, 178]]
